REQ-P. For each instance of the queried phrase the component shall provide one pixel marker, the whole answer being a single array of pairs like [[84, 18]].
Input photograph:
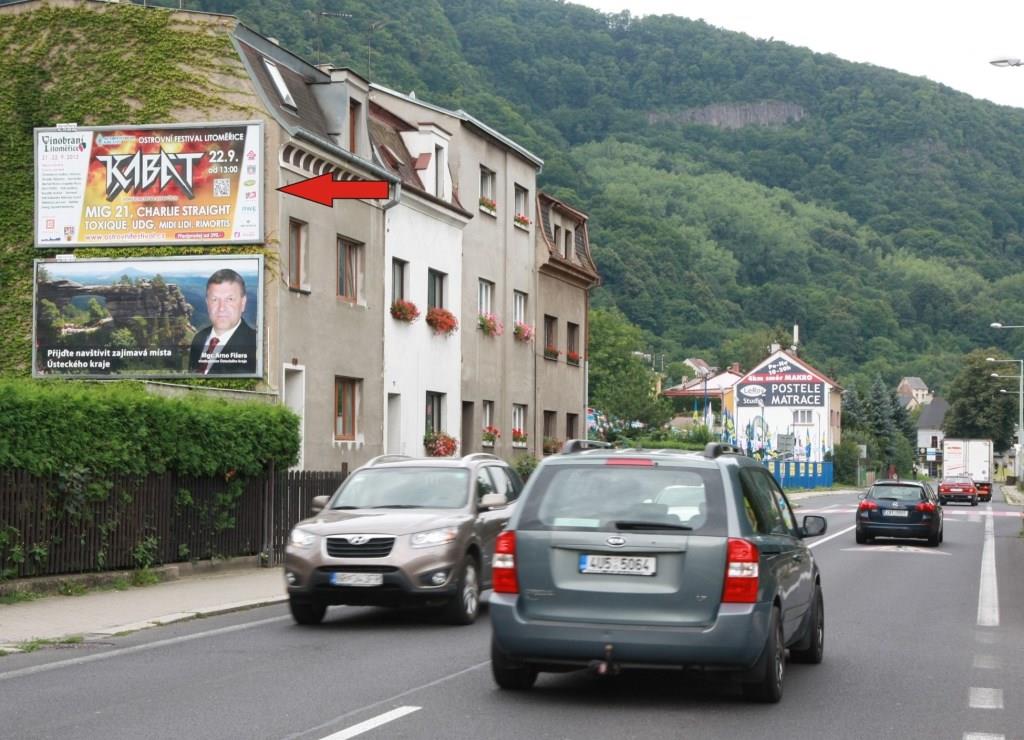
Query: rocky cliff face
[[124, 302], [734, 115]]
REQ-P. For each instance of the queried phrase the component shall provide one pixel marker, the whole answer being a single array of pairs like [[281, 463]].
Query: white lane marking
[[135, 649], [389, 700], [833, 536], [373, 723], [983, 736], [981, 698], [896, 548], [987, 662], [988, 590]]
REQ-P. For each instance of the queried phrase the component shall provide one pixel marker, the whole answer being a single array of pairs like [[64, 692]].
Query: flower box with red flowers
[[488, 205], [403, 310], [439, 444], [519, 438], [522, 220], [490, 435], [442, 321], [490, 325], [522, 331], [573, 358], [551, 352]]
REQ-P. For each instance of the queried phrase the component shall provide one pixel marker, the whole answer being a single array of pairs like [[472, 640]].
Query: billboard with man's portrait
[[152, 317], [148, 185]]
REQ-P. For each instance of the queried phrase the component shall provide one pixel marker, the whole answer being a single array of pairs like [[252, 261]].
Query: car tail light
[[925, 506], [741, 572], [503, 569], [866, 505], [943, 489], [629, 461]]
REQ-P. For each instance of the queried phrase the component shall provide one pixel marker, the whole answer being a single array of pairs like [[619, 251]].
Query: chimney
[[735, 368], [775, 347]]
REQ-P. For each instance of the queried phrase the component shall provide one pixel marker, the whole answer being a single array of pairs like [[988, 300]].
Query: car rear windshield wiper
[[651, 525], [886, 498]]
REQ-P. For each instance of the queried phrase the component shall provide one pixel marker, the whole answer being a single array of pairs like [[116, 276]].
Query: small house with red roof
[[787, 408]]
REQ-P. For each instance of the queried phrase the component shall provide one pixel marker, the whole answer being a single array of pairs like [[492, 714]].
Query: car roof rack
[[714, 449], [381, 459], [480, 456], [578, 445]]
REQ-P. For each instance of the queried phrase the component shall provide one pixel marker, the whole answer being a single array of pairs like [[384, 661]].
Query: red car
[[958, 488]]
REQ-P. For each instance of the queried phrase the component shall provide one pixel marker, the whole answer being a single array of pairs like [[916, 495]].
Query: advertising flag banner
[[157, 317], [149, 185]]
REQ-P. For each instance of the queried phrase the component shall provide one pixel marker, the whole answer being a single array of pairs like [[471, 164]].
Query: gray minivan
[[655, 558]]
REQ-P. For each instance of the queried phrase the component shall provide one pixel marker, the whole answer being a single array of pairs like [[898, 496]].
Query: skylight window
[[280, 84]]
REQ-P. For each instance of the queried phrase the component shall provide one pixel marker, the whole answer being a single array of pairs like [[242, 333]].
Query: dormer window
[[280, 84]]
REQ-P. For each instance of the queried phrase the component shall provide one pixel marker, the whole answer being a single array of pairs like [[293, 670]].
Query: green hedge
[[103, 429]]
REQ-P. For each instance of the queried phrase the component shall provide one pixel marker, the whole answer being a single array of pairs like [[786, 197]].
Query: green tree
[[621, 384], [977, 410]]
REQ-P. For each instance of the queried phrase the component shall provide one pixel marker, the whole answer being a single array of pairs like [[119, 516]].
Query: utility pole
[[369, 45]]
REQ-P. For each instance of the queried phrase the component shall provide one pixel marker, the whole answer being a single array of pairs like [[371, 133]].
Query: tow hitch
[[605, 667]]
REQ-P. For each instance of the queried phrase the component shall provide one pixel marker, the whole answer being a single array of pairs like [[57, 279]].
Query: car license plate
[[618, 565], [895, 512], [357, 579]]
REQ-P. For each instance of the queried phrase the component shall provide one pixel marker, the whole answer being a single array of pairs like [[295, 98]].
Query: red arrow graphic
[[324, 189]]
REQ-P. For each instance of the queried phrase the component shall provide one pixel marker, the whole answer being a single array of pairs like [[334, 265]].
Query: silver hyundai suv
[[655, 558], [403, 531]]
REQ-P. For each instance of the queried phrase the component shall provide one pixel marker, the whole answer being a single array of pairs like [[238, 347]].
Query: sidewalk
[[99, 614]]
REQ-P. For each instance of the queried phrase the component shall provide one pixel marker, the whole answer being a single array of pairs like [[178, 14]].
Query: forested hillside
[[736, 186]]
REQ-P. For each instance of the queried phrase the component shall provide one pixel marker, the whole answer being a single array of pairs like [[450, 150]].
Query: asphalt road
[[920, 643]]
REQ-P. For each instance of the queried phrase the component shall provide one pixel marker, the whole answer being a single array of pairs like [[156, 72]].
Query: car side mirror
[[319, 502], [814, 526], [492, 501], [860, 496]]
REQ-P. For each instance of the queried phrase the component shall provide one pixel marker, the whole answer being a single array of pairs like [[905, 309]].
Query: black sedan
[[896, 508]]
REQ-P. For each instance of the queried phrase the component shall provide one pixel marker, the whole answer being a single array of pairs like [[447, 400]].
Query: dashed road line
[[987, 662], [984, 698], [372, 723], [983, 736]]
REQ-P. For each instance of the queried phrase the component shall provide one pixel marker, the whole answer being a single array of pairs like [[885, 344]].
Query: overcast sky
[[949, 42]]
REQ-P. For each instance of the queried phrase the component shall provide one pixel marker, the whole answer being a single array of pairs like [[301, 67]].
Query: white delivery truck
[[972, 457]]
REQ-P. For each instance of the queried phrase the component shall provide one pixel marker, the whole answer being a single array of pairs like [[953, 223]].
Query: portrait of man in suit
[[228, 345]]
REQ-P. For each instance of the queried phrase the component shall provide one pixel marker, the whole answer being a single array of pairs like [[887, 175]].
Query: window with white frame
[[522, 203], [486, 296], [488, 413], [569, 238], [518, 418], [279, 84], [519, 306], [803, 416], [488, 199]]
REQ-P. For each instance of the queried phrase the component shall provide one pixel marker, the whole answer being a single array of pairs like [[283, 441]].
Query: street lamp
[[1020, 408]]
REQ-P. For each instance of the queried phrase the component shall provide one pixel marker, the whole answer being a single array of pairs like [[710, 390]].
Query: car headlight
[[435, 537], [301, 538]]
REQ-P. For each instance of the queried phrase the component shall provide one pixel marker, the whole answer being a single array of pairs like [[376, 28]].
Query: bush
[[96, 430], [524, 465]]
